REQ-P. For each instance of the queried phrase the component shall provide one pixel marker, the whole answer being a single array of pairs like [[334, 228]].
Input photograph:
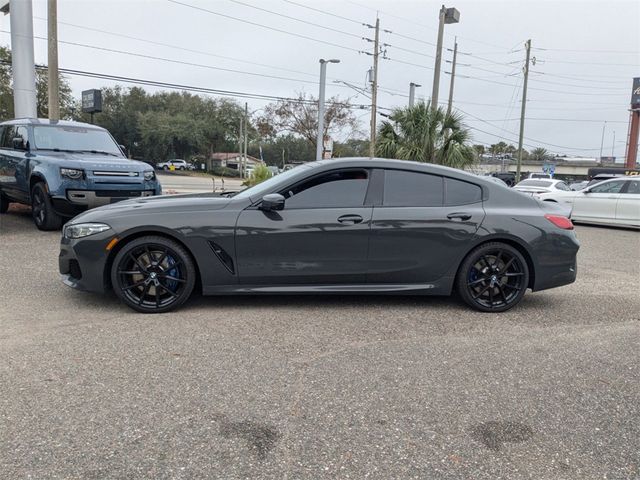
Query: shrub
[[260, 174]]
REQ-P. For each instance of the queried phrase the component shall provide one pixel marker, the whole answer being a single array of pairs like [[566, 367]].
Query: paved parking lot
[[319, 387]]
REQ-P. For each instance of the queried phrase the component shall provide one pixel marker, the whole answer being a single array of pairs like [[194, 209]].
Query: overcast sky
[[586, 55]]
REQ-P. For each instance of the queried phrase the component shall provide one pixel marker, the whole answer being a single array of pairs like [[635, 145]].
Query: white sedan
[[612, 202], [538, 185]]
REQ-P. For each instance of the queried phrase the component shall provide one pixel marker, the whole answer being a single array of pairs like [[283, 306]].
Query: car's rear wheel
[[493, 277], [165, 167], [153, 274], [42, 210], [4, 204]]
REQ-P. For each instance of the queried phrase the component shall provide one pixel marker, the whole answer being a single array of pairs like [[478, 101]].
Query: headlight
[[72, 173], [80, 230], [149, 175]]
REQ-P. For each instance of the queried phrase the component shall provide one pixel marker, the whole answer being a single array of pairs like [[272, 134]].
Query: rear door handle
[[350, 219], [459, 216]]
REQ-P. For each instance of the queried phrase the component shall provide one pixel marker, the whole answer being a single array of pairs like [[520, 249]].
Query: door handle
[[350, 219], [459, 216]]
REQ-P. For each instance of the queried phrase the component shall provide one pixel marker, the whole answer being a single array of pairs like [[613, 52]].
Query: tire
[[493, 277], [165, 167], [42, 210], [4, 204], [181, 168], [153, 274]]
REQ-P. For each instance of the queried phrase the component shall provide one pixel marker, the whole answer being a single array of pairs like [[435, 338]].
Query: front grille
[[116, 174], [74, 269]]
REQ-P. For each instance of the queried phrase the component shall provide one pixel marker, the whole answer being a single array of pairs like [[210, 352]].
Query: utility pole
[[453, 75], [374, 90], [412, 93], [527, 46], [602, 139], [246, 139], [52, 21]]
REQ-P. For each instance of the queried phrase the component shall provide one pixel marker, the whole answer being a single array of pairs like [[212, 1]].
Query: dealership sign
[[92, 101]]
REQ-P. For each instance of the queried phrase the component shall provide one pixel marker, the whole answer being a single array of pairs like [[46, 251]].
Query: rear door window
[[458, 192], [8, 135], [412, 189]]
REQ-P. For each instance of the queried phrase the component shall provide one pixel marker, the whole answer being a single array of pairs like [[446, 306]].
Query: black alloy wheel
[[153, 274], [42, 210], [493, 277]]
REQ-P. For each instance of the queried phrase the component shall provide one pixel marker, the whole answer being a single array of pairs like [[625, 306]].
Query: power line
[[191, 88], [314, 24], [263, 26], [323, 12], [621, 52]]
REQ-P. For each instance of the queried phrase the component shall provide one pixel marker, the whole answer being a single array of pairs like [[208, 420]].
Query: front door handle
[[459, 216], [350, 219]]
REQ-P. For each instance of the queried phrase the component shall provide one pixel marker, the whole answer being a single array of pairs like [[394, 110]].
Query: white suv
[[177, 163]]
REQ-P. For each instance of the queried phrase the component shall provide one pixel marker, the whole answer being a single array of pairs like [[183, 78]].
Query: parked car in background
[[334, 226], [533, 185], [177, 163], [62, 168], [614, 201], [539, 175], [507, 177], [579, 185]]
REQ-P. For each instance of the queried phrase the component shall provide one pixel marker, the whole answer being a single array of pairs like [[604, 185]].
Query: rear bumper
[[557, 264]]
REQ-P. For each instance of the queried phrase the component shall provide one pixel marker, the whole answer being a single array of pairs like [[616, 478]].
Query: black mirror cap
[[272, 202], [20, 144]]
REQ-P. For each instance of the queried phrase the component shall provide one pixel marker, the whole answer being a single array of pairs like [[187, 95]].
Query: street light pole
[[604, 126], [453, 76], [323, 81], [447, 15], [412, 93]]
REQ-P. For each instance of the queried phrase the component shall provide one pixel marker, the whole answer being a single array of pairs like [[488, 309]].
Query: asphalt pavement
[[319, 387]]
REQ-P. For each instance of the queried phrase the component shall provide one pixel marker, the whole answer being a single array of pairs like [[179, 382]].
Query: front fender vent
[[223, 256]]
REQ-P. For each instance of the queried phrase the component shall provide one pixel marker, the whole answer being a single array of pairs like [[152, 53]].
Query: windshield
[[74, 138], [267, 185], [534, 183]]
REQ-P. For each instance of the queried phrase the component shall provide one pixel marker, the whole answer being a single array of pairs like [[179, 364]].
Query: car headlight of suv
[[149, 175], [80, 230], [72, 173]]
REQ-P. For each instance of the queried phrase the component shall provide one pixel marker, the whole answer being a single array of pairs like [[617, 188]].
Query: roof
[[46, 121]]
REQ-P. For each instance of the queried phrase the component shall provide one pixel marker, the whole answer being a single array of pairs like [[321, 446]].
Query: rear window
[[457, 192], [534, 183]]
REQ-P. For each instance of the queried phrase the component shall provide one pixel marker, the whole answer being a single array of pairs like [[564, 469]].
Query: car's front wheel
[[153, 274], [165, 167], [42, 210], [493, 277]]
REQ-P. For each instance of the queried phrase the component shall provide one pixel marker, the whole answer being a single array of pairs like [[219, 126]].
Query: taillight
[[560, 221]]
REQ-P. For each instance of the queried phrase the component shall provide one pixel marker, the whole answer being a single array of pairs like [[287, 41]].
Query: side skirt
[[438, 288]]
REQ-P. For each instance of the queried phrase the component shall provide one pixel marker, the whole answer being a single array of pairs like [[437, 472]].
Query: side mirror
[[272, 202], [124, 150], [20, 144]]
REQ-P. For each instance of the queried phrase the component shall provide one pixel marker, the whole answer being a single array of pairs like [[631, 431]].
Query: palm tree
[[539, 153], [425, 135]]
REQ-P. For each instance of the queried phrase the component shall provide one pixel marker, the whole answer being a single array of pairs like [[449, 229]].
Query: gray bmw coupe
[[336, 226]]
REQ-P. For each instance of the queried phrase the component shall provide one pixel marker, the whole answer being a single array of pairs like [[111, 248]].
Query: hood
[[88, 161], [164, 204]]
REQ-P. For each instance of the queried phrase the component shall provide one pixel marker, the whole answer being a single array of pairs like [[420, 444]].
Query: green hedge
[[224, 172]]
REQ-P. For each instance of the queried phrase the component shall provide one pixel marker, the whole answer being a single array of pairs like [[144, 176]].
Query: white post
[[22, 59], [320, 136]]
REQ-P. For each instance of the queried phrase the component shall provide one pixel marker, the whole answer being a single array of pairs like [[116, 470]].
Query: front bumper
[[82, 262], [73, 202]]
